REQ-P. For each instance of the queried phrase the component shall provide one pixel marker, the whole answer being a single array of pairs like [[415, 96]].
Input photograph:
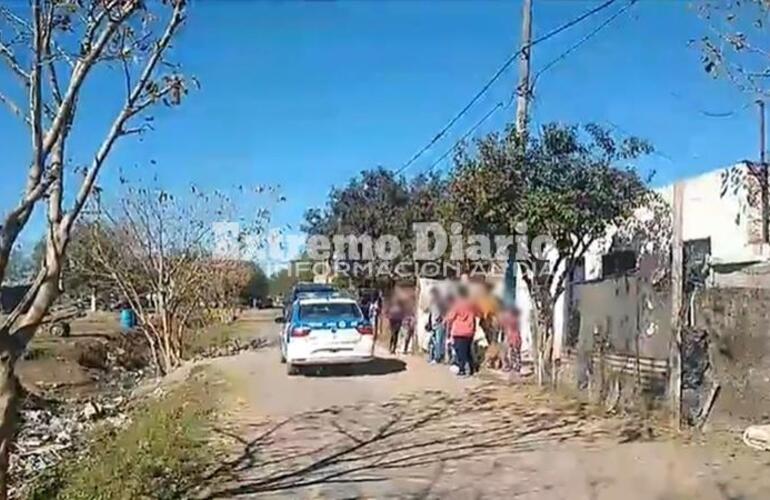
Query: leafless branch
[[10, 59], [13, 107], [176, 19], [82, 68]]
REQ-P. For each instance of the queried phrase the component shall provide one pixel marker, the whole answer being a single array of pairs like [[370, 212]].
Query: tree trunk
[[543, 338], [9, 399], [12, 344]]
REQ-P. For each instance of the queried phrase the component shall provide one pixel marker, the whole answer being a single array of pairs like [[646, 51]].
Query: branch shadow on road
[[370, 443], [378, 366]]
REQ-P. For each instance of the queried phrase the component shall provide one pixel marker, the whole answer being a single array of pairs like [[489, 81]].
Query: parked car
[[263, 302], [325, 331], [305, 289]]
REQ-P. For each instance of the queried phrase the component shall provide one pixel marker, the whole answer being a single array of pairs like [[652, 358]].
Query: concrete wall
[[737, 321], [742, 276], [628, 310]]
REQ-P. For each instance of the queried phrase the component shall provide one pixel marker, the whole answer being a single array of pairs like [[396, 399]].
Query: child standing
[[511, 330]]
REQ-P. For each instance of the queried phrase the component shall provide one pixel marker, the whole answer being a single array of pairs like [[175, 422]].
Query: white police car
[[325, 330]]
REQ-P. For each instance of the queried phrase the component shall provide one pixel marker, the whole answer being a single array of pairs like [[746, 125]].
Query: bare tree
[[228, 280], [157, 252], [152, 251], [52, 51]]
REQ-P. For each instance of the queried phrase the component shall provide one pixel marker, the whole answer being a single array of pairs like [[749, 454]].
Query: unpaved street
[[405, 429]]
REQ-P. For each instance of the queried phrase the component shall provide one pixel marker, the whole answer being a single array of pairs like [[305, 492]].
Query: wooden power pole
[[522, 114], [522, 90], [677, 302]]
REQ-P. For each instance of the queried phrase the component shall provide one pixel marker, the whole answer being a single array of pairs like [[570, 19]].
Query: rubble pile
[[50, 430], [46, 434]]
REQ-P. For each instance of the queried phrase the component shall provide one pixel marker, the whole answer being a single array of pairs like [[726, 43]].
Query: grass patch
[[161, 454]]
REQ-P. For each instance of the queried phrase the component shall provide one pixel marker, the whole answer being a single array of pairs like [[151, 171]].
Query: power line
[[497, 75], [655, 151], [467, 134], [710, 114], [582, 41]]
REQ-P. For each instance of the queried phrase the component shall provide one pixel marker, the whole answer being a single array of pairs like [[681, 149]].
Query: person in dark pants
[[461, 322], [395, 318], [408, 326], [463, 352]]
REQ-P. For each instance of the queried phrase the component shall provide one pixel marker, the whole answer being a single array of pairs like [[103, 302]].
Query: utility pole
[[522, 115], [522, 90], [763, 173], [677, 302]]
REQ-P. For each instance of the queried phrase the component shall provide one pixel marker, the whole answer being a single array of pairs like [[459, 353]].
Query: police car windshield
[[329, 310]]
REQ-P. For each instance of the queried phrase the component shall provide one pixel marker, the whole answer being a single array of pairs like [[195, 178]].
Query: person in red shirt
[[510, 326], [460, 321]]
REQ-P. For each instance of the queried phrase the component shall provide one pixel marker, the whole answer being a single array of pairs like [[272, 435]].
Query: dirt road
[[405, 429]]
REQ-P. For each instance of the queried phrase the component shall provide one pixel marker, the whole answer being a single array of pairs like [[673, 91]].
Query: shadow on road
[[372, 443], [378, 366]]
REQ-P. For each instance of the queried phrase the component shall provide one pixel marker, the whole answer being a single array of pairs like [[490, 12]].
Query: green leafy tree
[[378, 202], [257, 286], [578, 184], [373, 204], [281, 282], [485, 187], [427, 194], [565, 187]]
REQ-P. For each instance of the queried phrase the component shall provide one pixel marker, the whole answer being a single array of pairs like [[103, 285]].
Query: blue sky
[[305, 95]]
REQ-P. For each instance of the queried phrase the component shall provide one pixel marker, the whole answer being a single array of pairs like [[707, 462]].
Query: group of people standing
[[453, 322], [399, 314]]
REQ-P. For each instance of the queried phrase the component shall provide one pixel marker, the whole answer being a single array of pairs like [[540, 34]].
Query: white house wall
[[727, 220], [707, 213]]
